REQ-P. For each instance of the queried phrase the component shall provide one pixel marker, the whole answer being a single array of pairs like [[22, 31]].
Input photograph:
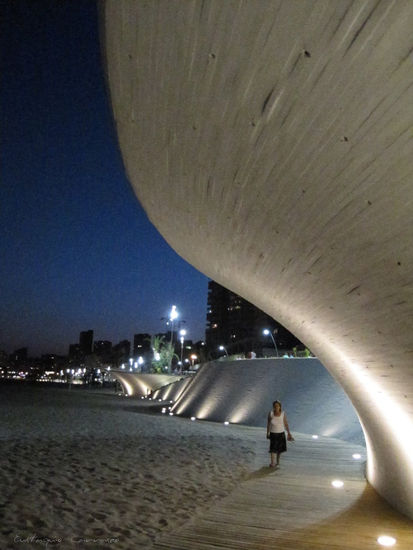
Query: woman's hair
[[279, 402]]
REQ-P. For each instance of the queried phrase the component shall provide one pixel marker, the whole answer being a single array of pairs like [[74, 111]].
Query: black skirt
[[278, 443]]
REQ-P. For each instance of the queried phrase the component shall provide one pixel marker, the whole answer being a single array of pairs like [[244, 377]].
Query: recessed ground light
[[337, 484], [384, 540], [314, 436], [226, 423], [171, 414], [356, 456], [193, 418], [159, 399]]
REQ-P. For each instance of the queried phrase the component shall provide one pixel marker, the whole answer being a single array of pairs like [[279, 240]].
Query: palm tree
[[163, 353]]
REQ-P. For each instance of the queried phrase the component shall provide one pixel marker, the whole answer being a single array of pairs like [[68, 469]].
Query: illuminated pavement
[[297, 508]]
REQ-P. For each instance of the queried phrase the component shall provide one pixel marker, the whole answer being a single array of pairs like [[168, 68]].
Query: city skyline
[[77, 251], [96, 341]]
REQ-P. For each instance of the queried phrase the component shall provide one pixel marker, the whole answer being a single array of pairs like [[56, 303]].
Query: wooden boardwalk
[[296, 507]]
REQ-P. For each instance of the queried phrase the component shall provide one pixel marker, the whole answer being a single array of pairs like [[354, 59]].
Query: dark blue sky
[[76, 249]]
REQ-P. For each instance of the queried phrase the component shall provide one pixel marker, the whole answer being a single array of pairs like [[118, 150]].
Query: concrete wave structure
[[140, 385], [270, 143], [242, 392], [172, 391]]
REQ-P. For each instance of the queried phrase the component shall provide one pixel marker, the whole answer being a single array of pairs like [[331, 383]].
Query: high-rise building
[[141, 344], [74, 351], [102, 348], [19, 355], [121, 352], [238, 325], [86, 342]]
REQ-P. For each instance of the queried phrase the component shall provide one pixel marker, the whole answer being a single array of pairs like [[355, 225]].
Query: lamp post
[[223, 348], [269, 333], [182, 332], [172, 316]]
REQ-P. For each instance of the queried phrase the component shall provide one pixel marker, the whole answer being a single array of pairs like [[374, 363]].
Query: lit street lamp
[[269, 333], [222, 348], [172, 316], [182, 332]]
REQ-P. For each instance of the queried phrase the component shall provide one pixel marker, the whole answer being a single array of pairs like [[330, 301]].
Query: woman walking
[[276, 426]]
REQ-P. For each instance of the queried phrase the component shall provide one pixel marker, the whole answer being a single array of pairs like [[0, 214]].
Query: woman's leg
[[278, 458], [272, 459]]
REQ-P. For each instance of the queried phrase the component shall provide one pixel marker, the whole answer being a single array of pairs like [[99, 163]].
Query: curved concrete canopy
[[138, 384], [271, 144]]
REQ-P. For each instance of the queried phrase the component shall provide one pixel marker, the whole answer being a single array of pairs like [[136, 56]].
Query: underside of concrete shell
[[271, 144]]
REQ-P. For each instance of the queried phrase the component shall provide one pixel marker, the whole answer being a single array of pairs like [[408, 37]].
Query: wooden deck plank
[[296, 508]]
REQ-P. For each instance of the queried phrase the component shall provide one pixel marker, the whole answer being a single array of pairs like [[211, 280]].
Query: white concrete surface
[[270, 143], [242, 392], [141, 384]]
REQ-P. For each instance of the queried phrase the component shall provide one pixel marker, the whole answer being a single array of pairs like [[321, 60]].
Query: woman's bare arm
[[290, 437]]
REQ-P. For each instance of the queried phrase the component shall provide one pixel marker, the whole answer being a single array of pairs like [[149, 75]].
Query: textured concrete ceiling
[[271, 143]]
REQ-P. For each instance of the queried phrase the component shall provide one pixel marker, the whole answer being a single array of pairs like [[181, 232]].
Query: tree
[[163, 354]]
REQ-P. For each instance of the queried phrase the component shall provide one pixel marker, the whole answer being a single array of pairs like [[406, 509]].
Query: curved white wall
[[270, 142], [242, 392], [139, 385]]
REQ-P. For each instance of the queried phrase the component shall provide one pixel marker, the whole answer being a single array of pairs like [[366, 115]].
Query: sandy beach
[[83, 469]]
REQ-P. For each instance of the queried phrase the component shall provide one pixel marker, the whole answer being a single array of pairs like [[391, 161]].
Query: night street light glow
[[173, 314]]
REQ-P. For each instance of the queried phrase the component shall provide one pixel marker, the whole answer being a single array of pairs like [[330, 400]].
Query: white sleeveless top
[[277, 423]]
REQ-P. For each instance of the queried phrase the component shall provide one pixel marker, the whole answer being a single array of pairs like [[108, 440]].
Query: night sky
[[77, 251]]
